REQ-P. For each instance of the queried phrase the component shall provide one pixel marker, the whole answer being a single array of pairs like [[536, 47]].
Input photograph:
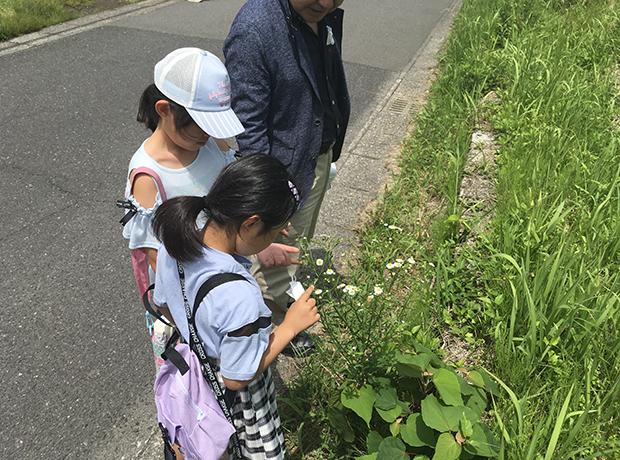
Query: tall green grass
[[555, 234], [538, 291], [18, 17]]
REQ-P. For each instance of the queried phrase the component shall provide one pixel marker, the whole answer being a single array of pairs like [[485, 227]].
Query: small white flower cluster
[[399, 263], [349, 289]]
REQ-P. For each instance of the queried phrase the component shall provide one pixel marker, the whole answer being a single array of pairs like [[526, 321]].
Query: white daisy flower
[[318, 291], [432, 264], [329, 271], [410, 260], [378, 290], [319, 262], [389, 266]]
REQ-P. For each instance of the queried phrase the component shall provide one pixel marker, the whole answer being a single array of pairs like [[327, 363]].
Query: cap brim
[[221, 124]]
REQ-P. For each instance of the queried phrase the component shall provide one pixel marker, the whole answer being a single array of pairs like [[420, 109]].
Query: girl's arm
[[300, 316], [165, 311], [145, 193]]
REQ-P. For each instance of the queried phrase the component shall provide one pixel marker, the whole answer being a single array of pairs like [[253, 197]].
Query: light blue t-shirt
[[194, 180], [225, 314]]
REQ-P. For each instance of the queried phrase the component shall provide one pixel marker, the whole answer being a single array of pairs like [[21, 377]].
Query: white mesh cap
[[197, 80]]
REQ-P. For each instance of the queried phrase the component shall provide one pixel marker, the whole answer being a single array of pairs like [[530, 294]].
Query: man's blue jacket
[[274, 90]]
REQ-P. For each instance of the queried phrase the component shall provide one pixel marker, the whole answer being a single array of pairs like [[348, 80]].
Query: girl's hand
[[277, 255], [302, 313]]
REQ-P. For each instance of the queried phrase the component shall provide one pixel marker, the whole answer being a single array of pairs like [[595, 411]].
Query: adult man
[[290, 93]]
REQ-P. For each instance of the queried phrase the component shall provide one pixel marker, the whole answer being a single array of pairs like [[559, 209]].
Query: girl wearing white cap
[[188, 110]]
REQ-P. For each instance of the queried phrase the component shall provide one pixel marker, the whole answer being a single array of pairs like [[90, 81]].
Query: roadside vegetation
[[18, 17], [464, 329]]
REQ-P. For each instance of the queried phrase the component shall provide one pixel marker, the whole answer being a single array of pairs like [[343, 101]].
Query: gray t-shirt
[[225, 315]]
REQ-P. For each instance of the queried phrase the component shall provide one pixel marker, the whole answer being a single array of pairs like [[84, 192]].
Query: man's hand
[[277, 255]]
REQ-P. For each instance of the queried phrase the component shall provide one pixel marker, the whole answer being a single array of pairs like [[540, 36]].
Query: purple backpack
[[189, 411], [192, 410]]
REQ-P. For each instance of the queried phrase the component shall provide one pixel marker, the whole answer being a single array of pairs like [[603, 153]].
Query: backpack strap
[[148, 307], [170, 353], [154, 176], [132, 178], [224, 399], [211, 283]]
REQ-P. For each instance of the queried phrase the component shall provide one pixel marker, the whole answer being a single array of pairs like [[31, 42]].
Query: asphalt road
[[77, 370]]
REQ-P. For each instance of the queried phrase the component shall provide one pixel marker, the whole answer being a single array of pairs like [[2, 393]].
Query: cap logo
[[222, 93]]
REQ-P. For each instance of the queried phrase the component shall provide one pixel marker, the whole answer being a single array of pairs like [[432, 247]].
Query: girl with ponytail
[[250, 202]]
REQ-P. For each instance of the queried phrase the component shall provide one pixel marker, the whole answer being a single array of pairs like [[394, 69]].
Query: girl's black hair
[[149, 116], [257, 184]]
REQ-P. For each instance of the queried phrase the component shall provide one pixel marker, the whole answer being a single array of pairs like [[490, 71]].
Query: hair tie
[[294, 191], [205, 205]]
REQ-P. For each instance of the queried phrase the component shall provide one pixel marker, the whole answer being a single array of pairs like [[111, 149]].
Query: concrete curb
[[78, 25]]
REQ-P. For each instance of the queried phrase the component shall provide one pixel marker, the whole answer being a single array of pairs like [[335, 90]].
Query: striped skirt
[[256, 418]]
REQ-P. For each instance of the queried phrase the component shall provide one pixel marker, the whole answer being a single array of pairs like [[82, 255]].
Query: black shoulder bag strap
[[196, 344]]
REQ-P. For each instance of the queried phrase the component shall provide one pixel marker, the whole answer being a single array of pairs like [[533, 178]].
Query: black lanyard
[[196, 344]]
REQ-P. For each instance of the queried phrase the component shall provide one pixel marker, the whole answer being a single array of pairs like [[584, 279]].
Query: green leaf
[[476, 378], [447, 448], [407, 371], [390, 415], [340, 423], [392, 449], [372, 456], [482, 442], [477, 401], [441, 417], [422, 349], [489, 384], [373, 441], [386, 399], [416, 433], [395, 428], [448, 386], [466, 428], [359, 401], [418, 362], [466, 388]]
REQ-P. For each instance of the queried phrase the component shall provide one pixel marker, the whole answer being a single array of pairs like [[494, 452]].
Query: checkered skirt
[[256, 418]]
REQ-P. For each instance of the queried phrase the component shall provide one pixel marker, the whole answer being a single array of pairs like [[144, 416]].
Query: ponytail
[[255, 185], [174, 224]]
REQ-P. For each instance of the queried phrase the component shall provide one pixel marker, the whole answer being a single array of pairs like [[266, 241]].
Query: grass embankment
[[18, 17], [534, 293]]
